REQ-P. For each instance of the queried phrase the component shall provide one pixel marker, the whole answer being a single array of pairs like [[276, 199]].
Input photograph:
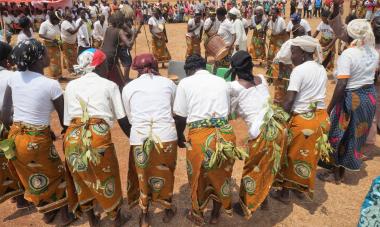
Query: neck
[[36, 69]]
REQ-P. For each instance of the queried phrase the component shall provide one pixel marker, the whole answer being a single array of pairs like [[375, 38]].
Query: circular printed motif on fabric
[[249, 185], [53, 154], [156, 183], [308, 115], [361, 129], [76, 162], [302, 169], [100, 129], [141, 158], [109, 187], [38, 183], [226, 189], [206, 159], [73, 135], [355, 101], [189, 168]]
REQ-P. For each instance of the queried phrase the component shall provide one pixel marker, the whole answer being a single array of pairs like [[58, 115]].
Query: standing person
[[227, 32], [250, 97], [317, 8], [32, 153], [26, 29], [241, 38], [202, 100], [352, 107], [259, 25], [293, 6], [309, 122], [211, 27], [83, 34], [50, 34], [92, 104], [69, 40], [99, 31], [299, 7], [10, 185], [306, 12], [194, 34], [327, 41], [278, 36], [159, 37], [295, 20], [148, 103], [370, 7]]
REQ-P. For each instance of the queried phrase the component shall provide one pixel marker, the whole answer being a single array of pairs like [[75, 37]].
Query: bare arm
[[335, 21], [180, 124], [59, 107], [6, 114], [338, 94], [125, 126], [316, 33], [288, 102]]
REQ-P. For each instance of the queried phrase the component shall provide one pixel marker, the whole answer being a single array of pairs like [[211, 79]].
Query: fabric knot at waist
[[209, 123]]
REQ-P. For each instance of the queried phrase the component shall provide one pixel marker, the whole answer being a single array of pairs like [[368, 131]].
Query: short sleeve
[[343, 66], [307, 26], [282, 24], [180, 102], [116, 102], [55, 90], [295, 81], [150, 21], [42, 30], [319, 27], [289, 27], [190, 23]]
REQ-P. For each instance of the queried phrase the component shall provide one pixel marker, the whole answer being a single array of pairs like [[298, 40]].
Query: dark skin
[[54, 20], [221, 18], [274, 13], [69, 18], [197, 19], [325, 20], [157, 14]]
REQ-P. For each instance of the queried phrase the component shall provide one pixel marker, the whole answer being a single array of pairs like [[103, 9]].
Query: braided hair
[[241, 65]]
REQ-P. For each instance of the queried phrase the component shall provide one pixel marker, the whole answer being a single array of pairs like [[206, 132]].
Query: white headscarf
[[309, 44], [361, 31], [235, 11]]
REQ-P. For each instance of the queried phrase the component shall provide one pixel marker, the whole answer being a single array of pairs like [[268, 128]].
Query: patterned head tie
[[88, 60], [26, 53], [145, 64]]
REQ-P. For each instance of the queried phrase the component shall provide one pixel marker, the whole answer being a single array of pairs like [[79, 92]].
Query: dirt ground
[[333, 205]]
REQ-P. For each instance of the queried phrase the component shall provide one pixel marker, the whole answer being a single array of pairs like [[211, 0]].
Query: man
[[259, 25], [99, 30], [309, 123], [202, 100], [194, 34], [241, 37], [83, 35], [211, 27], [148, 103], [92, 104], [295, 19], [227, 32], [277, 27]]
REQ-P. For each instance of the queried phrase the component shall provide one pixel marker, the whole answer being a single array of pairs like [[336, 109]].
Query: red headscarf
[[145, 63]]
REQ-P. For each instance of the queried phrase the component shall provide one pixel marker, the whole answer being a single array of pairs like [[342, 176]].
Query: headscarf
[[88, 60], [145, 64], [259, 8], [361, 31], [295, 17], [234, 11], [212, 11], [241, 63], [26, 53], [310, 45]]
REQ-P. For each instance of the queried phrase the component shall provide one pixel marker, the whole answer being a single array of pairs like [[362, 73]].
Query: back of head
[[5, 51], [26, 53], [193, 63], [242, 65], [221, 11], [24, 22]]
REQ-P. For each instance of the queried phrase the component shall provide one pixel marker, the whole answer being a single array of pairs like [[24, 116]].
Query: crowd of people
[[289, 135]]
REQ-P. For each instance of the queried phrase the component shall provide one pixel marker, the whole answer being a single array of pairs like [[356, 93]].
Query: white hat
[[234, 11]]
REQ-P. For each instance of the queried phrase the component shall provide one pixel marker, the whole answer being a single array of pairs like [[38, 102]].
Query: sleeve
[[207, 24], [116, 102], [295, 81], [125, 99], [237, 32], [151, 21], [66, 116], [42, 30], [319, 27], [180, 102], [307, 26], [343, 66], [55, 90], [282, 25], [339, 28], [289, 27]]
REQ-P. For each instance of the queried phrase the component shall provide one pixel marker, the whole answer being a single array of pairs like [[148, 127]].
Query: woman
[[278, 36], [159, 37], [69, 41], [34, 157], [148, 102], [251, 98], [26, 29], [370, 210], [259, 26], [50, 34], [352, 107], [309, 122], [99, 99], [327, 41]]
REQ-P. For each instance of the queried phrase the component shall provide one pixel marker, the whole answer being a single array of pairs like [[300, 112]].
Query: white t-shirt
[[278, 26], [215, 27], [102, 96], [93, 10], [309, 80], [158, 24], [303, 23], [105, 10], [197, 31], [4, 76], [226, 31], [99, 30], [49, 30], [33, 95], [358, 65], [148, 102], [83, 35], [65, 35], [246, 23], [241, 37], [325, 30], [22, 36], [251, 104], [202, 96]]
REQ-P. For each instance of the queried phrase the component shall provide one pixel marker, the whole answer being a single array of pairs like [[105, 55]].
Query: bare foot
[[169, 214], [329, 176], [215, 214], [121, 219], [144, 220], [66, 217], [197, 220]]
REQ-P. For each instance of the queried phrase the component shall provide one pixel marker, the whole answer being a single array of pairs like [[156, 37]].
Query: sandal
[[198, 221]]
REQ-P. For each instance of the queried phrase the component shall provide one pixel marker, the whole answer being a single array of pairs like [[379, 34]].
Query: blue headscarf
[[295, 17]]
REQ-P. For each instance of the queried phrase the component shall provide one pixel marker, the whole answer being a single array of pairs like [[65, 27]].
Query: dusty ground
[[333, 205]]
